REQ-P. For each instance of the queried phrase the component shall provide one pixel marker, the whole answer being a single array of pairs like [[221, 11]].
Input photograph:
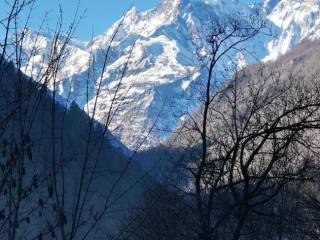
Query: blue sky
[[99, 16]]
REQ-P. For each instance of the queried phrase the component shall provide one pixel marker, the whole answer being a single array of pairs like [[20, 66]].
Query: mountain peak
[[132, 11], [163, 72]]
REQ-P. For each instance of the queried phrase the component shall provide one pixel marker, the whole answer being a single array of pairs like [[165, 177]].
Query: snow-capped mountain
[[153, 68], [296, 20]]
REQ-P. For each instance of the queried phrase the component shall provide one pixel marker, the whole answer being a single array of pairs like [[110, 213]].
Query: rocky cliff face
[[154, 67]]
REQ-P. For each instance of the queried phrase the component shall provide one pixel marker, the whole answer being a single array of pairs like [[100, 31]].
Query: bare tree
[[60, 173], [251, 138], [260, 136], [223, 38]]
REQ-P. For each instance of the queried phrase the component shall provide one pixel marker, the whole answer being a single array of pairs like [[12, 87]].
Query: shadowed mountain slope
[[60, 171]]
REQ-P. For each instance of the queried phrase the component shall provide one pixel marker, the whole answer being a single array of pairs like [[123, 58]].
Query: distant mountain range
[[155, 58]]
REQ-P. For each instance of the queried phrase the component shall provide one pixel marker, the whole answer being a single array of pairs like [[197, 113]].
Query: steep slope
[[296, 20], [160, 75], [46, 142], [290, 72], [298, 64], [250, 117]]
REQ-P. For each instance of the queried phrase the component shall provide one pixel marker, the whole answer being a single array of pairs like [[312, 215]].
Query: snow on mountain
[[296, 20], [153, 67]]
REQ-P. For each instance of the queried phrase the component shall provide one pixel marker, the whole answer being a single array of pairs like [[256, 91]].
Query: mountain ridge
[[162, 71]]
